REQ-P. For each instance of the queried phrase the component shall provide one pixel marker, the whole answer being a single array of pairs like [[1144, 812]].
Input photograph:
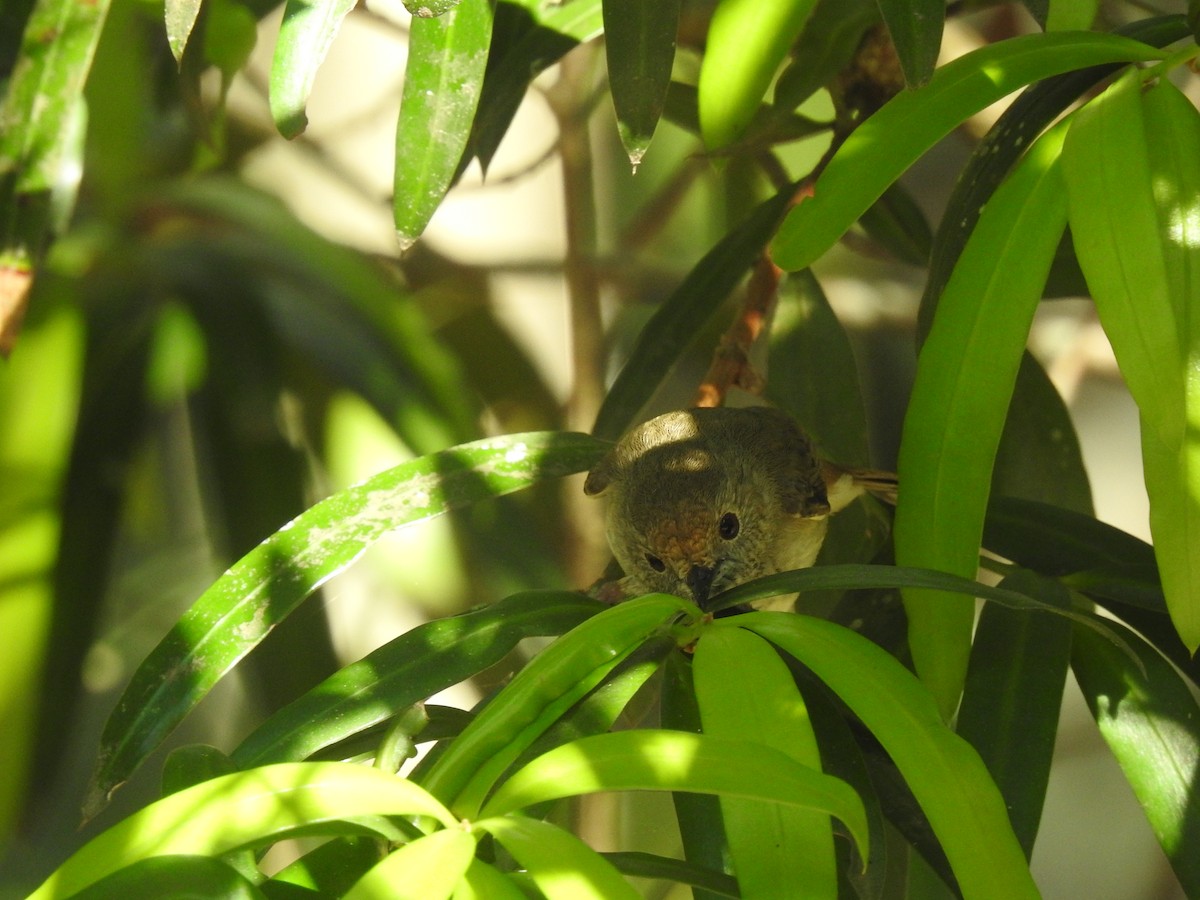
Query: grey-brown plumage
[[701, 500]]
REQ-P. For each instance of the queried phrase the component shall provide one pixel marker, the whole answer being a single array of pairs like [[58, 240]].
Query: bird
[[701, 500]]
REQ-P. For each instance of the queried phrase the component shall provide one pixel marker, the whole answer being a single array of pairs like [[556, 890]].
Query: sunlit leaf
[[447, 56], [561, 865], [1006, 142], [1150, 719], [41, 143], [1115, 226], [891, 140], [305, 36], [1173, 479], [833, 33], [746, 42], [428, 868], [945, 774], [965, 377], [651, 760], [181, 18], [746, 692], [172, 876], [245, 809], [412, 667], [238, 610], [537, 697]]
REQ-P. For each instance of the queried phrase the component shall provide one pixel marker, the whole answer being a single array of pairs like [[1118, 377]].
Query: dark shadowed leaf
[[916, 30], [640, 46]]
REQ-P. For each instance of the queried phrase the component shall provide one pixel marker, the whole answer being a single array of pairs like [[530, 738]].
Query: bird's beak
[[699, 580]]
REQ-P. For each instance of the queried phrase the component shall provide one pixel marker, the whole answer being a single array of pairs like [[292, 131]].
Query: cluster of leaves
[[801, 727]]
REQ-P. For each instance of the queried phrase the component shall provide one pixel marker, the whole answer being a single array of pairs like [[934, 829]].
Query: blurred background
[[228, 332]]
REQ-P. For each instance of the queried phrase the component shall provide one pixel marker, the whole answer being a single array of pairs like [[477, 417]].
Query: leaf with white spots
[[262, 588]]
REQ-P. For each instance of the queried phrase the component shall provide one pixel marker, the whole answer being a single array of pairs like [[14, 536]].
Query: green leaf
[[746, 42], [428, 868], [1039, 456], [826, 46], [428, 10], [1115, 226], [447, 57], [811, 370], [1173, 477], [1065, 15], [891, 140], [640, 48], [896, 221], [1150, 719], [181, 19], [697, 815], [548, 686], [946, 775], [1006, 142], [305, 36], [651, 760], [745, 691], [1056, 541], [916, 30], [562, 866], [530, 36], [1011, 700], [41, 143], [648, 865], [239, 609], [483, 882], [965, 377], [172, 876], [412, 667], [241, 810], [674, 324]]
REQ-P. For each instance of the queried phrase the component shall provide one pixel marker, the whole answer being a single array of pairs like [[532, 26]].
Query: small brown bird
[[701, 500]]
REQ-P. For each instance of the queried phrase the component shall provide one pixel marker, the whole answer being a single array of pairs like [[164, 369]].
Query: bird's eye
[[729, 526], [655, 563]]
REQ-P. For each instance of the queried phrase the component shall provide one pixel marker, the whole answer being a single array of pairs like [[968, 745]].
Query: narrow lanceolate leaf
[[640, 46], [891, 140], [410, 668], [1005, 144], [1149, 716], [428, 868], [305, 36], [670, 329], [965, 377], [181, 19], [1173, 480], [945, 774], [42, 122], [745, 691], [561, 865], [245, 809], [531, 37], [651, 760], [746, 43], [447, 56], [241, 607], [541, 693], [1115, 225], [1010, 706], [916, 30]]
